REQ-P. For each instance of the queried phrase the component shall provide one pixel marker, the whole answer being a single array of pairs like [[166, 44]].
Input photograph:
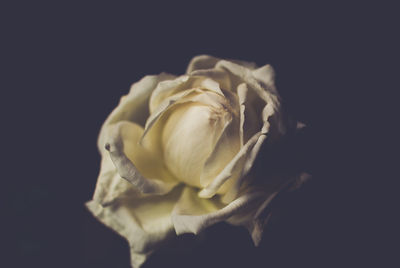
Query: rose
[[177, 153]]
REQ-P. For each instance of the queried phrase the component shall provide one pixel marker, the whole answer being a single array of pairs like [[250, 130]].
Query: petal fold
[[134, 106], [187, 217], [127, 170], [202, 62], [144, 222], [167, 89], [232, 171]]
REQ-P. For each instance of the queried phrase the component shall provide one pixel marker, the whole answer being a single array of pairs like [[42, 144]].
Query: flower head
[[177, 153]]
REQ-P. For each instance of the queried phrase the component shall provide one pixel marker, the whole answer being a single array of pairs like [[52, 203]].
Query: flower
[[177, 153]]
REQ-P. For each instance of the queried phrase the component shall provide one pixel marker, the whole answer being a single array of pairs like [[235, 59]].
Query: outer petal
[[218, 75], [266, 76], [208, 62], [166, 89], [193, 214], [225, 149], [110, 185], [247, 165], [268, 94], [202, 62], [261, 82], [232, 171], [134, 106], [143, 221], [251, 210], [250, 113], [163, 181]]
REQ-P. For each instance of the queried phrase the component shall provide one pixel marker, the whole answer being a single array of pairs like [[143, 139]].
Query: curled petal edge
[[136, 100], [228, 172], [196, 223], [127, 170], [201, 62]]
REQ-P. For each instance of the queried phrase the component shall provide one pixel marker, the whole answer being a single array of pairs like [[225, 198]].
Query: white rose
[[177, 151]]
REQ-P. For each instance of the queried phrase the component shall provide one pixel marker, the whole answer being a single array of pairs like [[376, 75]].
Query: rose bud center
[[192, 132]]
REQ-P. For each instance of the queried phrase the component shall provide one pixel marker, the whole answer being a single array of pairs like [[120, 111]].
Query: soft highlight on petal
[[232, 171], [166, 89], [186, 221], [188, 138], [127, 170], [144, 222], [201, 62], [134, 106]]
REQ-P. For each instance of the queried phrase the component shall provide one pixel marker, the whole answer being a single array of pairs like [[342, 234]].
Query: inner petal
[[148, 163], [189, 136]]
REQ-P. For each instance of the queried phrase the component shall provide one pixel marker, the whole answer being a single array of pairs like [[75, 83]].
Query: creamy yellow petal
[[193, 214], [251, 155], [264, 88], [210, 114], [110, 186], [251, 108], [202, 62], [218, 75], [154, 124], [189, 136], [143, 221], [124, 137], [167, 89], [133, 106], [225, 149], [232, 171], [266, 76]]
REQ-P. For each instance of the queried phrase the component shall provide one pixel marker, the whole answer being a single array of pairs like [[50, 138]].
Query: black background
[[67, 65]]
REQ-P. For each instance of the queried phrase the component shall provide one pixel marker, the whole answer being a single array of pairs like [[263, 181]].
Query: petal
[[219, 76], [165, 90], [260, 219], [208, 62], [168, 88], [242, 93], [193, 214], [119, 135], [251, 108], [249, 159], [267, 93], [189, 137], [232, 171], [110, 186], [134, 106], [144, 222], [202, 62], [162, 108], [152, 130], [225, 149], [266, 76]]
